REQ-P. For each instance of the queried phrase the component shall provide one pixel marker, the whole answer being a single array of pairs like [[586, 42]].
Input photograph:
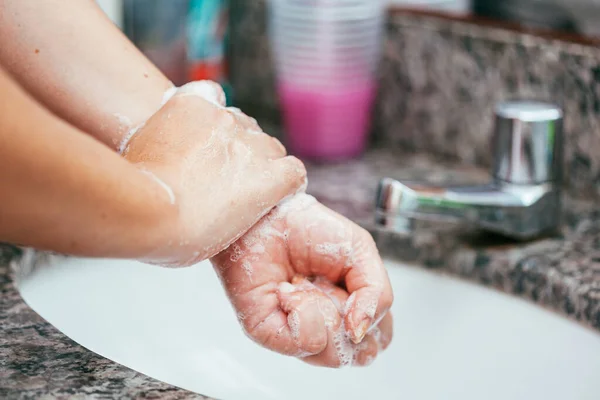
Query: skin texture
[[74, 61], [341, 318]]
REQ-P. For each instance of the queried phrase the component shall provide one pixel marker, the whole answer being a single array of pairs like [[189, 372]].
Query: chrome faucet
[[522, 199]]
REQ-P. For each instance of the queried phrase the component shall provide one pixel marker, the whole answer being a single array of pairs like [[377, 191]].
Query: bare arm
[[192, 180], [63, 191], [71, 57]]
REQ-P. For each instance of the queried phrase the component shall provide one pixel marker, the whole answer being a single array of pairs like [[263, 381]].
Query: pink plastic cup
[[327, 123], [326, 54]]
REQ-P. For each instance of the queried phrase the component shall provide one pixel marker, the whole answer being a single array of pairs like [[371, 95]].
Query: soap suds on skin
[[209, 91], [347, 352], [167, 95], [294, 324], [336, 250], [247, 267], [237, 252], [344, 347], [124, 121], [127, 138], [162, 184]]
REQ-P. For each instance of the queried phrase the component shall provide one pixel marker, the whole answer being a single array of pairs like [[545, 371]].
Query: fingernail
[[361, 330]]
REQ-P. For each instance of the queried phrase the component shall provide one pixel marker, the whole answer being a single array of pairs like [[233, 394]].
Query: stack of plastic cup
[[326, 54]]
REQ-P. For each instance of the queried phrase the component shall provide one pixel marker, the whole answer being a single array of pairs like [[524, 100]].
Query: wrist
[[128, 129], [158, 225]]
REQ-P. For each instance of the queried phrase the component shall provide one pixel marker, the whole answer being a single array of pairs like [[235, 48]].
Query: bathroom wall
[[439, 81]]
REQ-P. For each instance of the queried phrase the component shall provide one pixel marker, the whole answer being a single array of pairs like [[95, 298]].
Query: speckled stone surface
[[39, 362], [439, 82], [560, 273]]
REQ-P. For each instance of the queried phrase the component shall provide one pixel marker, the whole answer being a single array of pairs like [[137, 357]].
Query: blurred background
[[409, 75]]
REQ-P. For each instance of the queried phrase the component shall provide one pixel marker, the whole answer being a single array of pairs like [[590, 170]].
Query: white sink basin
[[453, 340]]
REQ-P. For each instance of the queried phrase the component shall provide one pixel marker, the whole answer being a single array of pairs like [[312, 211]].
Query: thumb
[[288, 177]]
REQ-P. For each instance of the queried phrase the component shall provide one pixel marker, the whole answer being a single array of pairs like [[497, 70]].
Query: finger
[[264, 145], [258, 259], [337, 295], [208, 90], [283, 177], [366, 351], [251, 276], [340, 351], [377, 340], [367, 282], [342, 251], [383, 332], [257, 306], [255, 134], [247, 122], [309, 314]]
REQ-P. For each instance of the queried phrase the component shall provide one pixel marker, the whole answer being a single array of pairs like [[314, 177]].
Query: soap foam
[[294, 324], [208, 90], [257, 248], [343, 346], [296, 202], [127, 138], [335, 250], [124, 121], [162, 184], [168, 94], [237, 252], [247, 267]]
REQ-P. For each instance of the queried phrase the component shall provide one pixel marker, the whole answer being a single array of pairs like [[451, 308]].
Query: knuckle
[[297, 167], [365, 236], [228, 120], [218, 91], [279, 146], [245, 120], [315, 344]]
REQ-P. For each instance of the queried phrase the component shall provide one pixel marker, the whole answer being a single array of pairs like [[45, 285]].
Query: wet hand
[[221, 172], [307, 282]]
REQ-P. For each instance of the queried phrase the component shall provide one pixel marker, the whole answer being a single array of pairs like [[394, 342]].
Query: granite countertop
[[561, 273]]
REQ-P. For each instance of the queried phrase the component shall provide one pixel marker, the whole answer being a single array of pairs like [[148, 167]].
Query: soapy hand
[[307, 282], [220, 172]]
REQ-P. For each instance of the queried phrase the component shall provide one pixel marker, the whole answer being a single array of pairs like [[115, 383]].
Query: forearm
[[69, 56], [65, 192]]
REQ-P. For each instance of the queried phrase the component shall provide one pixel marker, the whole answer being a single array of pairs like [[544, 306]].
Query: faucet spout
[[519, 211], [522, 199]]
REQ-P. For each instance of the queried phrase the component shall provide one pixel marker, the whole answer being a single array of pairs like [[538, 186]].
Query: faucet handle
[[528, 143]]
